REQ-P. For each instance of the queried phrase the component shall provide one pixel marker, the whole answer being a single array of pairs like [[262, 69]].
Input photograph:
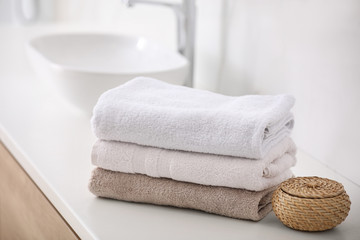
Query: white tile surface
[[52, 141]]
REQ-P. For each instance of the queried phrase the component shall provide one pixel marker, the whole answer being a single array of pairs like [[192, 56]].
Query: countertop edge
[[46, 189]]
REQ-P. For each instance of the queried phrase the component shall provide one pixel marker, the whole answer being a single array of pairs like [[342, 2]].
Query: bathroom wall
[[310, 49]]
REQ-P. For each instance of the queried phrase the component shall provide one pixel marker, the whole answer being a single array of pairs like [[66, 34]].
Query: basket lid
[[312, 187]]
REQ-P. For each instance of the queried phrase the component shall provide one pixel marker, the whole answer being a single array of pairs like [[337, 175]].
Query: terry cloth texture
[[150, 112], [230, 202], [206, 169]]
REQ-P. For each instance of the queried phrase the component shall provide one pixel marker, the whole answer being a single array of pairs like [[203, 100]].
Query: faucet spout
[[185, 18]]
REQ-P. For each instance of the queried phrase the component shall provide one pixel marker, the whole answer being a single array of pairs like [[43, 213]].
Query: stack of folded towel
[[171, 145]]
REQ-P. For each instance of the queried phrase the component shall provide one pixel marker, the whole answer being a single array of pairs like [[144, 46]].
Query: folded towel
[[207, 169], [230, 202], [149, 112]]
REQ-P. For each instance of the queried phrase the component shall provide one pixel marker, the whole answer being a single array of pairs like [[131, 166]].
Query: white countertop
[[52, 141]]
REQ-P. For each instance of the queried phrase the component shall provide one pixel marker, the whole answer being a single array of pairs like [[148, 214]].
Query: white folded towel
[[200, 168], [149, 112]]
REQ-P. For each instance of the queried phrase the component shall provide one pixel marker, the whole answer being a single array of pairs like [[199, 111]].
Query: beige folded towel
[[230, 202]]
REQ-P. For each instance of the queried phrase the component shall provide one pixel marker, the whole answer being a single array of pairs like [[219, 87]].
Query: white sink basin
[[82, 66]]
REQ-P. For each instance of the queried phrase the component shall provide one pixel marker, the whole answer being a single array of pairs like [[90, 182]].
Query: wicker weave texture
[[311, 213], [312, 187]]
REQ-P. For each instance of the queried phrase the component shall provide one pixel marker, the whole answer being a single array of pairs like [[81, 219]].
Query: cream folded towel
[[149, 112], [230, 202], [206, 169]]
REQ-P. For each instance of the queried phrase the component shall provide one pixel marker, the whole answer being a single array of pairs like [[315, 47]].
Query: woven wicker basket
[[311, 203]]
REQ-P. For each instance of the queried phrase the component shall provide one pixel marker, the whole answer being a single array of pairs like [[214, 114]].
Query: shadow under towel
[[153, 113], [230, 202]]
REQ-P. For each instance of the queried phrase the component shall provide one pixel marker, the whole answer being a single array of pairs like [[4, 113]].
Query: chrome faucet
[[185, 13]]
